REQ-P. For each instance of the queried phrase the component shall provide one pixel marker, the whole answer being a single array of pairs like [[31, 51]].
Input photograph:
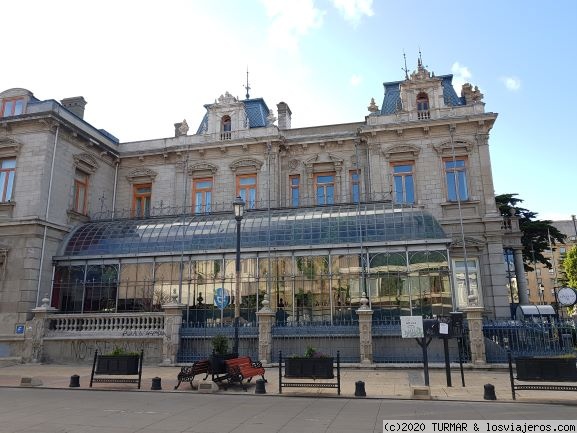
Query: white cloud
[[354, 10], [290, 21], [461, 75], [512, 83], [356, 80]]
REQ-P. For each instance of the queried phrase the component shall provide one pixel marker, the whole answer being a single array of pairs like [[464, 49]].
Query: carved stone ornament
[[141, 174], [202, 167], [373, 107], [180, 128], [86, 162], [471, 95], [246, 163], [226, 99], [470, 242], [293, 164]]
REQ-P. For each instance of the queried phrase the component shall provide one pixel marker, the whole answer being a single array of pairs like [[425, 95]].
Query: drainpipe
[[46, 220], [114, 192]]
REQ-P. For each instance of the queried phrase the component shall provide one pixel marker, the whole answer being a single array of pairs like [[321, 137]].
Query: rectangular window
[[12, 107], [246, 189], [295, 189], [325, 188], [7, 171], [202, 195], [466, 296], [142, 196], [355, 186], [456, 176], [403, 183], [80, 191]]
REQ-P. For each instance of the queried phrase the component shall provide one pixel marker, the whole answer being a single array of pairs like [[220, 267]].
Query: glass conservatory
[[313, 262]]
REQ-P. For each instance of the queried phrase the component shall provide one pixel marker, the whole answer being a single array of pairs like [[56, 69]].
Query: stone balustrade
[[126, 324]]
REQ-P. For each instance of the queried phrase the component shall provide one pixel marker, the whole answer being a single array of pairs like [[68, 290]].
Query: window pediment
[[245, 165], [401, 152], [141, 175], [446, 148], [323, 161], [9, 146], [86, 162], [202, 169]]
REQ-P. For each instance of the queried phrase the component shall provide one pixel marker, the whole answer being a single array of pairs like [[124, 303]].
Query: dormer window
[[225, 128], [423, 106], [12, 107]]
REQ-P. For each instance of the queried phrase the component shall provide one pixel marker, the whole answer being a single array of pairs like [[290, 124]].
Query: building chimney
[[75, 105], [284, 115]]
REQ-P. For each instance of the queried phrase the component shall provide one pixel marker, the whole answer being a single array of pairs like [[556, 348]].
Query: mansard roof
[[392, 99], [256, 112]]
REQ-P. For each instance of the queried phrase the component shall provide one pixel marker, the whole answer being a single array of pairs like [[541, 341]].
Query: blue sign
[[19, 329], [221, 298]]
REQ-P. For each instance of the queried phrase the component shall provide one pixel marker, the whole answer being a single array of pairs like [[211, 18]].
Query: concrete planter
[[317, 368], [118, 364], [546, 368]]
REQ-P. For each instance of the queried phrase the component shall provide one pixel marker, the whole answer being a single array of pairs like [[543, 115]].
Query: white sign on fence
[[412, 327]]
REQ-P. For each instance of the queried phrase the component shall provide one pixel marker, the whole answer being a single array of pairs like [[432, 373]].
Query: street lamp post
[[238, 206]]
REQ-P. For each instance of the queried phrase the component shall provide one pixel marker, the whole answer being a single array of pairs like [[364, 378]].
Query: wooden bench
[[188, 373], [243, 368], [534, 386]]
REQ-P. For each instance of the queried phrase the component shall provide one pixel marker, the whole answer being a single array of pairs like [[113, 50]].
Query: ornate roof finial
[[420, 61], [373, 108], [405, 68], [247, 87]]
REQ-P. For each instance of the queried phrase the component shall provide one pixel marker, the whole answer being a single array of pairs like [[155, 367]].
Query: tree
[[570, 265], [537, 235]]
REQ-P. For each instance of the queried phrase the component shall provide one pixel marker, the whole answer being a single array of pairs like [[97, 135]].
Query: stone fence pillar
[[172, 323], [476, 338], [35, 331], [265, 321], [365, 330]]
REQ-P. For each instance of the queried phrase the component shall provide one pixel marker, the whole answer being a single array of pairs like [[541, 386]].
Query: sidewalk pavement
[[380, 382]]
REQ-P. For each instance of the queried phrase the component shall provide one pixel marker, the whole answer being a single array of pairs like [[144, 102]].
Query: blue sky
[[145, 65]]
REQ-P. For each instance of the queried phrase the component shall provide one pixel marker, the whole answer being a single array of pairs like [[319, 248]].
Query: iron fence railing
[[527, 338], [196, 340], [325, 339]]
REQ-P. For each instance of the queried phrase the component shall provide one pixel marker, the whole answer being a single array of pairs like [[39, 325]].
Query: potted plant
[[119, 361], [313, 364], [553, 368], [220, 353]]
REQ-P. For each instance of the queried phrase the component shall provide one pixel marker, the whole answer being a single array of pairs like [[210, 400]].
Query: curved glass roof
[[285, 228]]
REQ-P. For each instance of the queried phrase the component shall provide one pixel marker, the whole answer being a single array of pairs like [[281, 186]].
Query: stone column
[[365, 330], [520, 276], [172, 323], [265, 321], [476, 338], [35, 331]]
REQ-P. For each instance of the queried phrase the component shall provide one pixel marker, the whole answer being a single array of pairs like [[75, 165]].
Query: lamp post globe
[[238, 206]]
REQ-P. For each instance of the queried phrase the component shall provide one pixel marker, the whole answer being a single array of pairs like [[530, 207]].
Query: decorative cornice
[[324, 158]]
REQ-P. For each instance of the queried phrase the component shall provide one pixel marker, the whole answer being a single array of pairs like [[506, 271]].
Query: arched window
[[225, 128], [423, 106]]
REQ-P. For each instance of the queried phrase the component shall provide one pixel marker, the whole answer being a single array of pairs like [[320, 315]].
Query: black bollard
[[156, 384], [74, 381], [260, 387], [489, 392], [360, 389]]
